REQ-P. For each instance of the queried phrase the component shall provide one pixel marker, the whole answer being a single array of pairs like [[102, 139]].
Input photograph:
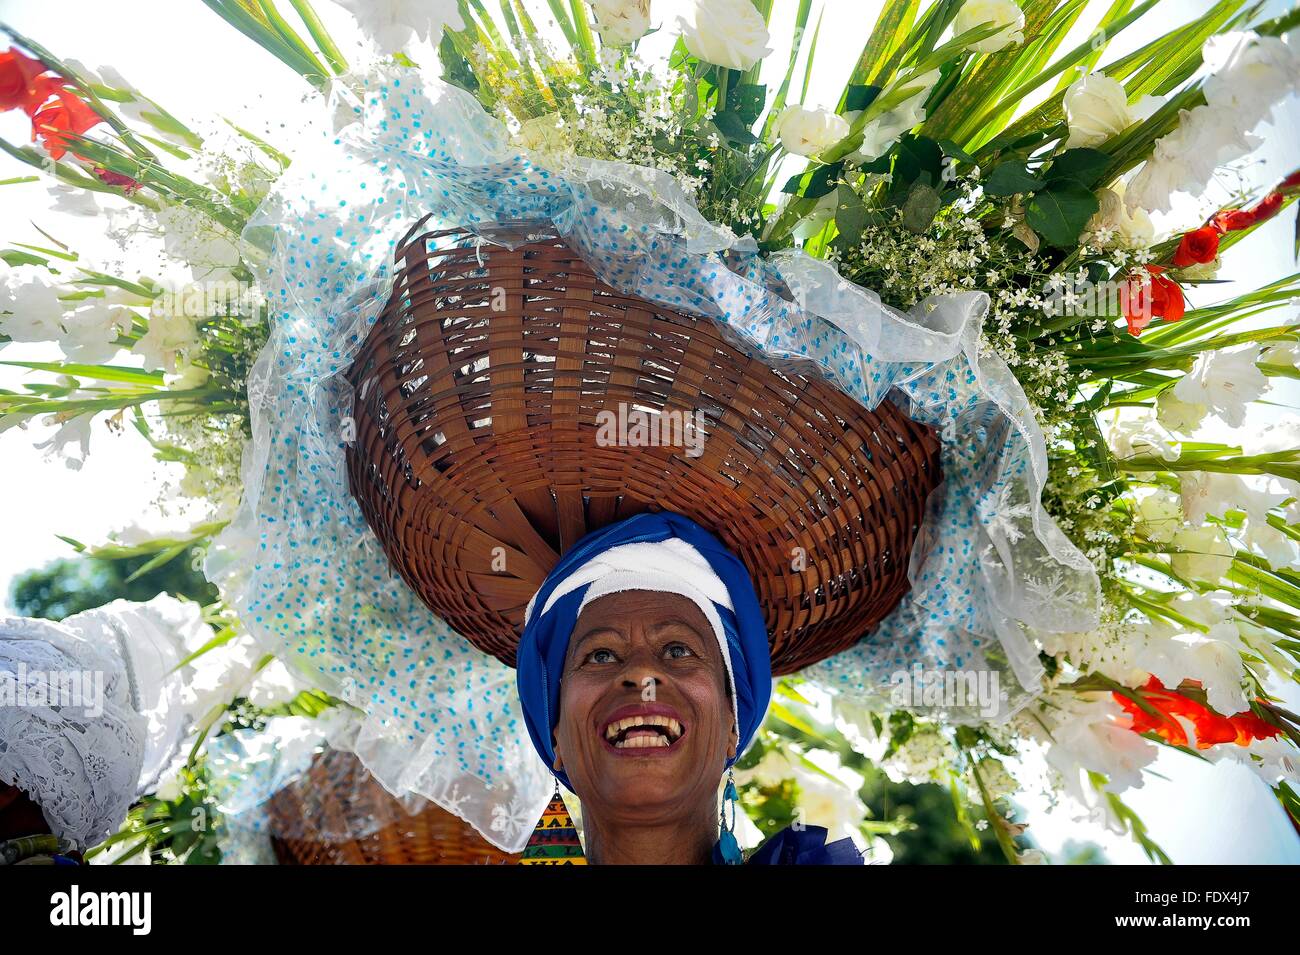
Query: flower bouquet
[[984, 148]]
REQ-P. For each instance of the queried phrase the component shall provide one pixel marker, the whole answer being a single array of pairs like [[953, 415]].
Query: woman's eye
[[676, 651], [601, 656]]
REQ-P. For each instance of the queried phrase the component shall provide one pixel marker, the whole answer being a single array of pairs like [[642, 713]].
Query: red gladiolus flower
[[1290, 182], [65, 116], [1199, 245], [20, 84], [1151, 295], [1209, 727], [1234, 220], [110, 178]]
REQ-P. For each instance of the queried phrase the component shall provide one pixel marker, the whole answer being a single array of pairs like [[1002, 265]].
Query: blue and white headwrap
[[659, 552]]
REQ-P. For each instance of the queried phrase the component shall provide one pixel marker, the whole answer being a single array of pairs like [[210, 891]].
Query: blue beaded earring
[[727, 851]]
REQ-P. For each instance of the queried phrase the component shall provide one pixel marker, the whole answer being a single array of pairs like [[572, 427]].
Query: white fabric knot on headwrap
[[670, 566], [90, 710]]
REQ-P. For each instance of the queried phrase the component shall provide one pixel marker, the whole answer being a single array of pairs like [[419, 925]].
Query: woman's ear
[[732, 742], [559, 763]]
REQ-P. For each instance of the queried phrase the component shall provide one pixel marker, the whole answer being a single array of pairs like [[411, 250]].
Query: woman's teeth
[[641, 732]]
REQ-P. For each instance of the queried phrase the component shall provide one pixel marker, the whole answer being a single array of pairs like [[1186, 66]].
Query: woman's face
[[645, 725]]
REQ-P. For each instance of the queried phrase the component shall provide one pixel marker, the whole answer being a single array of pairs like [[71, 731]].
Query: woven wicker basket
[[337, 814], [476, 459]]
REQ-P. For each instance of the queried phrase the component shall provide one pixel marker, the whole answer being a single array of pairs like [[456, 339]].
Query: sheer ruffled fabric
[[307, 575]]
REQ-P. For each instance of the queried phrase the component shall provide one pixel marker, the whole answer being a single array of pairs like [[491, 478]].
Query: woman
[[644, 673]]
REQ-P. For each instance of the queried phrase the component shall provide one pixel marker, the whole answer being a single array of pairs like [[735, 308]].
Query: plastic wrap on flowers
[[306, 573]]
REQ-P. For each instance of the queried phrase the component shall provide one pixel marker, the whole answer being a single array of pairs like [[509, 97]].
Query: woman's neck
[[679, 841]]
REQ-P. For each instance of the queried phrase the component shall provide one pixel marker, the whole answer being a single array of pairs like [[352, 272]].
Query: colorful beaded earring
[[555, 838]]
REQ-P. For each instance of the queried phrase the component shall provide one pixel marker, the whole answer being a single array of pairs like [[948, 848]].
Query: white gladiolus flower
[[620, 22], [730, 33], [169, 336], [885, 130], [1207, 493], [807, 132], [1092, 733], [1139, 437], [1205, 553], [1178, 415], [391, 24], [1159, 514], [1096, 109], [999, 13], [30, 310], [1271, 544], [1213, 658], [1285, 354], [71, 443], [73, 201], [90, 334], [1250, 75], [1225, 381]]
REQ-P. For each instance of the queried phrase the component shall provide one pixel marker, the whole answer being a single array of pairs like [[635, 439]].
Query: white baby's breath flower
[[807, 132], [730, 33], [999, 13], [620, 22]]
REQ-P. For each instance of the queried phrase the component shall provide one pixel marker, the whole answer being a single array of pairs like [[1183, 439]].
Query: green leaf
[[1085, 166], [734, 128], [1009, 178], [747, 100], [814, 183], [859, 96], [922, 205], [1059, 212]]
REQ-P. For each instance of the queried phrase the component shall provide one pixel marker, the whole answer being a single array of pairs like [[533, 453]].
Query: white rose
[[1096, 108], [620, 22], [543, 135], [999, 13], [807, 132], [730, 33], [1225, 381], [1206, 553]]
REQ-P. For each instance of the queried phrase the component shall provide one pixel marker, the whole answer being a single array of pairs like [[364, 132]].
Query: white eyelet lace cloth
[[92, 709], [307, 575]]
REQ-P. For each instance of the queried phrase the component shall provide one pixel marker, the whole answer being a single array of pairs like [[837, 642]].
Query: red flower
[[1234, 220], [65, 116], [1199, 245], [110, 178], [1209, 727], [1151, 295], [21, 84]]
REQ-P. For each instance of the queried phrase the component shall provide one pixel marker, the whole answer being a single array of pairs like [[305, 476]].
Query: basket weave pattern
[[477, 462]]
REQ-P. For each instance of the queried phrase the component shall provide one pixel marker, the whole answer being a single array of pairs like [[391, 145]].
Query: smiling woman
[[644, 671]]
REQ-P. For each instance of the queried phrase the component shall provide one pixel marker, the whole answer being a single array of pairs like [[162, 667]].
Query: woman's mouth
[[648, 732]]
